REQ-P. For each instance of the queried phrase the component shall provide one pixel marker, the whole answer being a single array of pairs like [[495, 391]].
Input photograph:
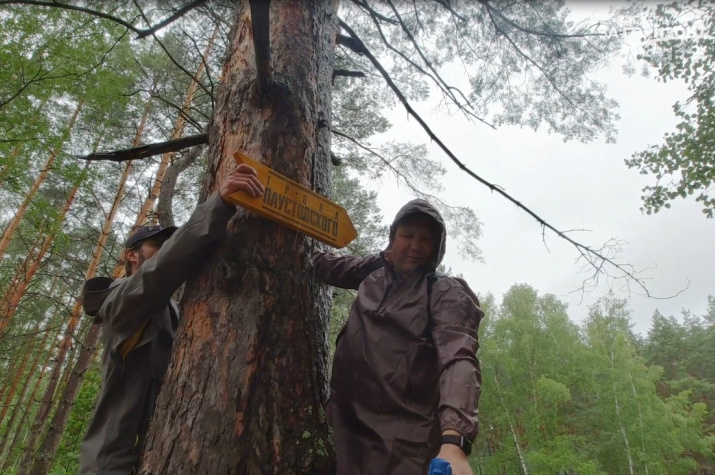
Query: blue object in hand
[[439, 467]]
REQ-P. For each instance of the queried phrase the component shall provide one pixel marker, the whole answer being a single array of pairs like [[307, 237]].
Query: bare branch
[[450, 9], [348, 73], [66, 6], [168, 184], [595, 258], [362, 4], [167, 21], [149, 150], [260, 24], [444, 86], [512, 23], [176, 63], [349, 43], [140, 32]]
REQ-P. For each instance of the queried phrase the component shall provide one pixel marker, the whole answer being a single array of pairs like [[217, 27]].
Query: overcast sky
[[573, 186]]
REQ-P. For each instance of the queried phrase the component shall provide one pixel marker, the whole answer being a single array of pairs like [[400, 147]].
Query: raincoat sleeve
[[346, 272], [147, 292], [455, 325]]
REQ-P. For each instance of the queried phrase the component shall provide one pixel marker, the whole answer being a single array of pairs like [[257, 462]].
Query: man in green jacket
[[139, 321]]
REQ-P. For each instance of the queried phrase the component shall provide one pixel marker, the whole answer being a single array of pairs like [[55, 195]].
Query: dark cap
[[145, 232]]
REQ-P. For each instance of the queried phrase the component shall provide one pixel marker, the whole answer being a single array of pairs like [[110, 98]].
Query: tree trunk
[[631, 469], [245, 390], [12, 227], [47, 400], [48, 449], [517, 445], [9, 164], [32, 263], [17, 410], [18, 437], [18, 376]]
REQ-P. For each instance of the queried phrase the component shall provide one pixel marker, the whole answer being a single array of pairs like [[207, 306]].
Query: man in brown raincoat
[[406, 379], [139, 320]]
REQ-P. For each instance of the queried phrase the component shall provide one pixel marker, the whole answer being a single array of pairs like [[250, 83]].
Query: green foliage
[[559, 398], [684, 165], [67, 458]]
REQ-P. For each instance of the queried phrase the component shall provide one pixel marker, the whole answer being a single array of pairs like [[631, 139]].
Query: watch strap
[[460, 441]]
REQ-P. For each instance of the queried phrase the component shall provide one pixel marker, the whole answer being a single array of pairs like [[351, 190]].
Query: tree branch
[[149, 150], [448, 7], [512, 23], [167, 21], [348, 73], [444, 86], [551, 80], [350, 43], [140, 32], [446, 91], [171, 58], [66, 6], [594, 257], [164, 206], [260, 25], [362, 4]]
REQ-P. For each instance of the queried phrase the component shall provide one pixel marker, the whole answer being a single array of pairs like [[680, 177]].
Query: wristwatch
[[460, 441]]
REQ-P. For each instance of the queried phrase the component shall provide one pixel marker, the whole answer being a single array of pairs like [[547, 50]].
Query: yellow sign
[[296, 207]]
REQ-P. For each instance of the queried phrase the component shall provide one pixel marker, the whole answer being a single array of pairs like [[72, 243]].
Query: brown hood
[[422, 206], [94, 292]]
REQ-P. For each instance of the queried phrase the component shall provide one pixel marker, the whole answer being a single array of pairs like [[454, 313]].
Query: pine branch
[[437, 80], [164, 206], [171, 58], [440, 82], [141, 33], [55, 4], [348, 73], [595, 258], [149, 150], [260, 25], [167, 21]]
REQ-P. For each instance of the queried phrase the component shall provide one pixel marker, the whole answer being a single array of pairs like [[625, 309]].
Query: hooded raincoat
[[140, 307], [405, 366]]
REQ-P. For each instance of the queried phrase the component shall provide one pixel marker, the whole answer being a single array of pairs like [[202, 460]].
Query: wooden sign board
[[296, 207]]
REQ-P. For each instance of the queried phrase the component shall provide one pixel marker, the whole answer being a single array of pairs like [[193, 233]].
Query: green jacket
[[140, 306]]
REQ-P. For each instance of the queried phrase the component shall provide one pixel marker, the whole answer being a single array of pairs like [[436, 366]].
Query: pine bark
[[245, 390]]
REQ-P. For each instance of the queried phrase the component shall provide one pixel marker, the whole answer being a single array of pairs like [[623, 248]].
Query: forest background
[[582, 371]]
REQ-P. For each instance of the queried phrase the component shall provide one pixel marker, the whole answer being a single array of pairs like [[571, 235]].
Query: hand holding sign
[[243, 178], [295, 206]]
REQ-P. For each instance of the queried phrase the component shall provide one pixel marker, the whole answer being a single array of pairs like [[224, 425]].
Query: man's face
[[415, 244], [146, 250]]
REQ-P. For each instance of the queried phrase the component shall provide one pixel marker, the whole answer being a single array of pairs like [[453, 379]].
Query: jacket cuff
[[451, 419]]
